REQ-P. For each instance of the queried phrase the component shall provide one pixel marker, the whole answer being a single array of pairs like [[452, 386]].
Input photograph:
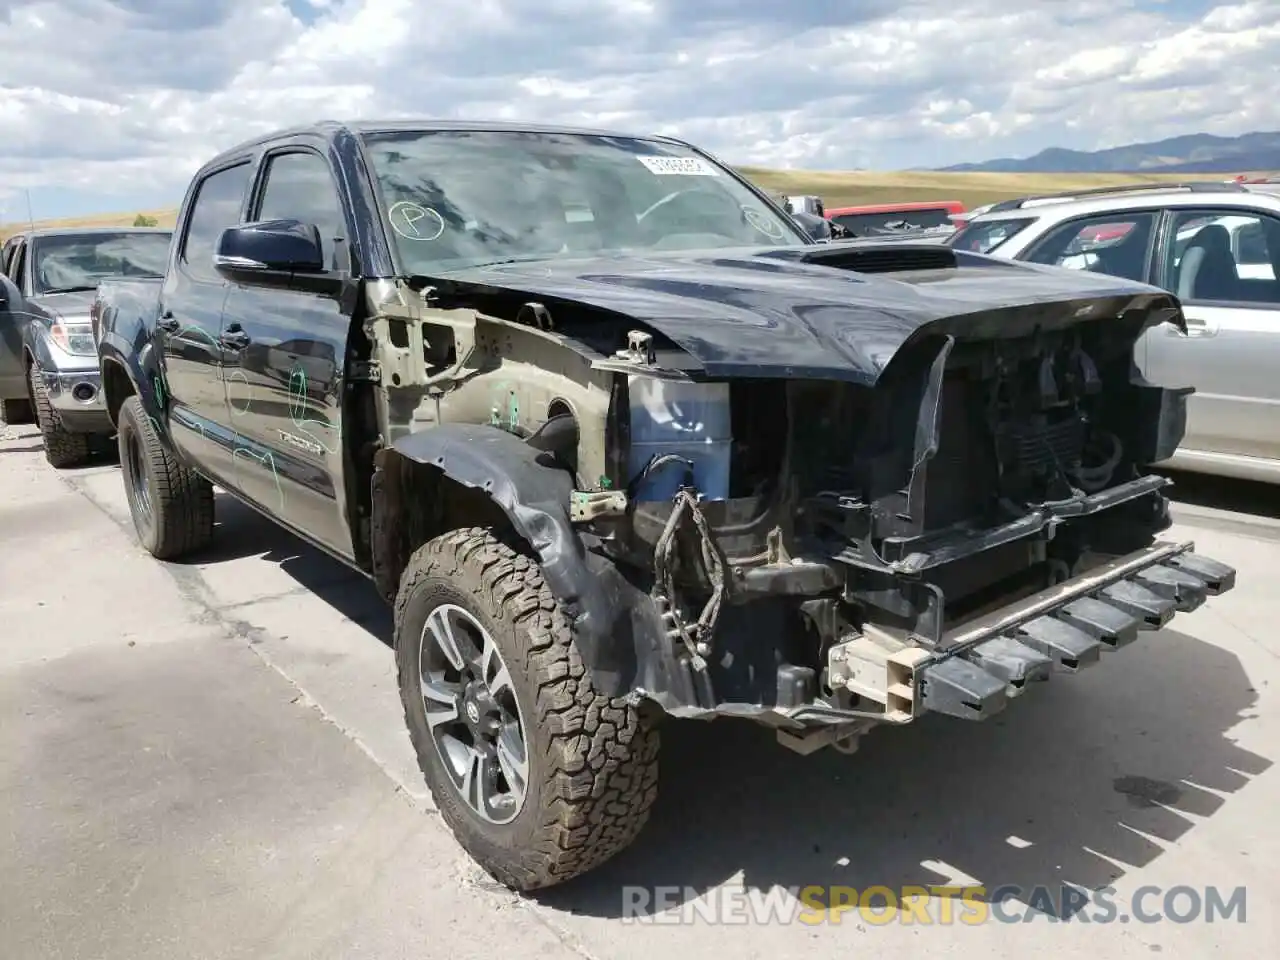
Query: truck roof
[[329, 128], [84, 231]]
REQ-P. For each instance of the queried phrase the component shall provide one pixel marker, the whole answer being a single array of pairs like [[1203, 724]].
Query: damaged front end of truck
[[824, 490]]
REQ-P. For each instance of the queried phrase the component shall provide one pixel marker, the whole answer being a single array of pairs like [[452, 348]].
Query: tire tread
[[600, 755], [62, 448], [182, 500]]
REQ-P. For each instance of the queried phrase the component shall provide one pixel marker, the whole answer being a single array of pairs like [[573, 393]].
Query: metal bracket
[[879, 668], [639, 348], [588, 505]]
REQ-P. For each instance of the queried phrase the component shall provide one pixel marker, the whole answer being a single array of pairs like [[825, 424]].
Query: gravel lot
[[207, 760]]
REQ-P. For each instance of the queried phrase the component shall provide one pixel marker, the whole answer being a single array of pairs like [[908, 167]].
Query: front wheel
[[171, 504], [539, 777], [62, 448]]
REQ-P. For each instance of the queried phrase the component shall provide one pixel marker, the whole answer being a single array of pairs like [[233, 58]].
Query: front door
[[189, 327], [1224, 264], [286, 342]]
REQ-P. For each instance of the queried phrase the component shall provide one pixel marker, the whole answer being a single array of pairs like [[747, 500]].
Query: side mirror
[[818, 228], [269, 246]]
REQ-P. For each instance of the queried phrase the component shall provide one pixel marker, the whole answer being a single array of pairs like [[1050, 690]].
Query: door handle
[[1199, 327]]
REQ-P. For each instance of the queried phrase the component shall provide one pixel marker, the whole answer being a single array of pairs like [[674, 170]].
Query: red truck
[[876, 218]]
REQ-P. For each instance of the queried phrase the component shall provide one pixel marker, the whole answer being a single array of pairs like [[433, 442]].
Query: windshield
[[79, 261], [984, 236], [462, 198]]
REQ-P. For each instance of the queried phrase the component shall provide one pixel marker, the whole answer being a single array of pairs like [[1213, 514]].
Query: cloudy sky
[[111, 105]]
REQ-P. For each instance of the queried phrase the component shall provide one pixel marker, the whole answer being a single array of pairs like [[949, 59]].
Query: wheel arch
[[117, 387], [127, 373], [460, 475]]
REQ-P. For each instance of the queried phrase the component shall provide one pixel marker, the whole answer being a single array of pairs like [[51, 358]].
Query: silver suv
[[1217, 246]]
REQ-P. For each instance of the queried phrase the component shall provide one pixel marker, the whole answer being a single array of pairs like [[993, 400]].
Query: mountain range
[[1193, 153]]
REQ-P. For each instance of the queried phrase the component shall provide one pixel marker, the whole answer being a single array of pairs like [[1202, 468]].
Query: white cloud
[[125, 98]]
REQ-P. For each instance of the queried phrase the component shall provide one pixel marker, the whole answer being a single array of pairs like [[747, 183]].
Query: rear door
[[1230, 292], [189, 326], [286, 341]]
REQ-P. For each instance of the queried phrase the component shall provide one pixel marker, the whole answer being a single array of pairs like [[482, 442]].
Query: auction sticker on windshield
[[679, 166]]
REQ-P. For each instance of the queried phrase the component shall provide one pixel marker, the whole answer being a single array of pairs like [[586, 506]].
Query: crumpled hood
[[807, 312]]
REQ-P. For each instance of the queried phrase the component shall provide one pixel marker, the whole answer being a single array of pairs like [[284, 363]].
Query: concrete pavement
[[208, 760]]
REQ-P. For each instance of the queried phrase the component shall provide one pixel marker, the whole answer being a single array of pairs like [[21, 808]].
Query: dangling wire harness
[[696, 637]]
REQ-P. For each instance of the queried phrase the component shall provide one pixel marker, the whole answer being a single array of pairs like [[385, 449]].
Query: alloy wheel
[[473, 714]]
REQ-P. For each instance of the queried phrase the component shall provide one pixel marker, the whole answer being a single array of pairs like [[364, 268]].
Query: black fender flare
[[616, 626], [137, 362]]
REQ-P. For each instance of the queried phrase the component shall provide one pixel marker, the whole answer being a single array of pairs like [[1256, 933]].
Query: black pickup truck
[[621, 441]]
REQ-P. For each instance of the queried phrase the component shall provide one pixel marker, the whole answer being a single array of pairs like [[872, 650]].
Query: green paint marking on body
[[298, 412], [265, 460]]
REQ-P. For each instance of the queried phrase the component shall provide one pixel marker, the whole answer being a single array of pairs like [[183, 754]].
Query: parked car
[[48, 360], [1217, 246], [960, 218], [618, 440], [871, 218]]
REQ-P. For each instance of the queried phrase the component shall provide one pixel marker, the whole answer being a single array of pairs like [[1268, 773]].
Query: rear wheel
[[16, 412], [62, 448], [539, 777], [171, 505]]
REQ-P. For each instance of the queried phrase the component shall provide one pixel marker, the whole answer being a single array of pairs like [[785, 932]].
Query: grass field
[[837, 188], [164, 218], [841, 188]]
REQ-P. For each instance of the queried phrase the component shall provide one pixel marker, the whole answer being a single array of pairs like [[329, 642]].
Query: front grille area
[[1039, 446]]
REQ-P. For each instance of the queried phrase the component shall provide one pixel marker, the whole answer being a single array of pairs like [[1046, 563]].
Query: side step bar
[[987, 661]]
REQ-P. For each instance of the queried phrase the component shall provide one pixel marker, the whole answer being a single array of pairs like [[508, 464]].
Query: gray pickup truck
[[621, 441], [48, 358]]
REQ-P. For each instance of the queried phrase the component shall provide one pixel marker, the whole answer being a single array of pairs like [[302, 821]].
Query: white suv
[[1215, 245]]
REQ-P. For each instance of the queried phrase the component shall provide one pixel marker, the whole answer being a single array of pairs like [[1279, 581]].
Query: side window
[[1111, 243], [299, 186], [216, 207], [1225, 256], [15, 269]]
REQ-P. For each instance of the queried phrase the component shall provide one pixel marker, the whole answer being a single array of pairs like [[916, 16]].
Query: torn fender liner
[[534, 495]]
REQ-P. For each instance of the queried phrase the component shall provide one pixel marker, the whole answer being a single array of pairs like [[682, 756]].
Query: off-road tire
[[62, 448], [180, 518], [593, 760], [16, 412]]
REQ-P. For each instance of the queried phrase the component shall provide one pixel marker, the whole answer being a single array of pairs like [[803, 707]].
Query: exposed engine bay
[[798, 549]]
